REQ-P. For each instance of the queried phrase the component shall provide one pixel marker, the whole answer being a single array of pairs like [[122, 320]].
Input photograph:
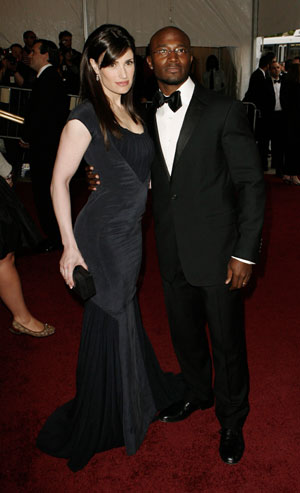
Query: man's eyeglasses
[[164, 52]]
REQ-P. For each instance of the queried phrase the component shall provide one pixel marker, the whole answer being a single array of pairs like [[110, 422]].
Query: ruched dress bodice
[[108, 228]]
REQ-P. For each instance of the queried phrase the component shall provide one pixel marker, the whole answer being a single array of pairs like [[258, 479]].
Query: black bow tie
[[174, 101], [277, 81]]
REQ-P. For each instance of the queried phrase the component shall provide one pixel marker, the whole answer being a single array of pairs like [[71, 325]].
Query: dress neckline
[[131, 132]]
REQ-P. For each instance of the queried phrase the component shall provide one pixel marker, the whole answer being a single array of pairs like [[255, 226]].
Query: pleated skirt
[[120, 387]]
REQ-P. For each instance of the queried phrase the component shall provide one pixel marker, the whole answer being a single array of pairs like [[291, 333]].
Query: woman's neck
[[115, 102]]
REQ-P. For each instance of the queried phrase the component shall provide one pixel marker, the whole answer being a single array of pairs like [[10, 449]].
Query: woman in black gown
[[120, 386]]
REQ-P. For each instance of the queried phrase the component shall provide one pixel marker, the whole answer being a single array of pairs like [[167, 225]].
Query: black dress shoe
[[231, 445], [181, 410]]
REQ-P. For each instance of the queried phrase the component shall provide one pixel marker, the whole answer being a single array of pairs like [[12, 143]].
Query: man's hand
[[238, 274], [93, 178], [9, 180]]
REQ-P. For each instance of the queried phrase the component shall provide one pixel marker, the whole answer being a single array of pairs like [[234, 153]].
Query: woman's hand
[[69, 259]]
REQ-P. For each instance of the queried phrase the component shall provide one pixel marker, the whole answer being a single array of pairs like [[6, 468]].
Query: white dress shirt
[[276, 87], [42, 69], [169, 125], [264, 73]]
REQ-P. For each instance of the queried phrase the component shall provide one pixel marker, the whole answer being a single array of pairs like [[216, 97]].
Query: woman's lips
[[123, 84]]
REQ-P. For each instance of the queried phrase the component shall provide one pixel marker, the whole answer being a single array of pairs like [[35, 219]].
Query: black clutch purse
[[84, 283]]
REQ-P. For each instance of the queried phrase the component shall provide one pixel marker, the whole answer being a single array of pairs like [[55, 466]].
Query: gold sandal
[[20, 329]]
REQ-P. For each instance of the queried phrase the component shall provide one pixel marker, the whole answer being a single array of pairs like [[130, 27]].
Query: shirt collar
[[43, 68], [262, 72], [186, 91]]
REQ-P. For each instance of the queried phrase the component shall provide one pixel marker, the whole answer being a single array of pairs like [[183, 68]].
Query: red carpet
[[38, 375]]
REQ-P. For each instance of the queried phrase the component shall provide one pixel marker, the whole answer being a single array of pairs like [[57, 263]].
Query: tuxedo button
[[174, 196]]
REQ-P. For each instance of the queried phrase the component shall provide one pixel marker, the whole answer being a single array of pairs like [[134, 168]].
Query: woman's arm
[[74, 141]]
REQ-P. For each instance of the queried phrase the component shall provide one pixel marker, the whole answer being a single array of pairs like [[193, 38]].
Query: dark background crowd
[[15, 67], [274, 89]]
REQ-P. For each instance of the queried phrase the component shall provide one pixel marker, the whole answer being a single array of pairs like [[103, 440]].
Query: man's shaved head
[[165, 30], [170, 58]]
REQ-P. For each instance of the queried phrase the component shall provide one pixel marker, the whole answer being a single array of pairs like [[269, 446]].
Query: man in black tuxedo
[[257, 93], [46, 116], [208, 201], [275, 117]]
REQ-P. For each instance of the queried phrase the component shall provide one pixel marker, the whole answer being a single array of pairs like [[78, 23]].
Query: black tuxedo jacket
[[211, 207], [257, 90], [46, 114]]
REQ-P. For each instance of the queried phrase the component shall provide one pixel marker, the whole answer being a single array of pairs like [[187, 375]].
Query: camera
[[6, 54]]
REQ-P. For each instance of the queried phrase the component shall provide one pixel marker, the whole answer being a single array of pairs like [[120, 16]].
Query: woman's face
[[117, 79]]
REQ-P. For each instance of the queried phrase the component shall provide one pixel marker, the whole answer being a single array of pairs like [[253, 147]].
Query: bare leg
[[12, 294]]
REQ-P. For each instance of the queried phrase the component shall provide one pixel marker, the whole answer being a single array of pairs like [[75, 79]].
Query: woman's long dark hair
[[114, 41]]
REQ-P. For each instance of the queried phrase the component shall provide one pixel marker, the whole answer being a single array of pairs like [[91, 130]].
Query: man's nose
[[173, 55]]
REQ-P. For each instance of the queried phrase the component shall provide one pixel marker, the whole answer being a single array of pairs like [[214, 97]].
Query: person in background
[[214, 77], [14, 72], [275, 117], [65, 43], [17, 231], [45, 118], [286, 65], [257, 93], [29, 38], [290, 101], [69, 71]]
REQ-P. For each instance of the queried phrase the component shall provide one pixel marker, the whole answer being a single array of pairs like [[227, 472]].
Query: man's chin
[[172, 81]]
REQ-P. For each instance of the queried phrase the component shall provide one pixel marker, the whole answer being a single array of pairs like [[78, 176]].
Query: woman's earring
[[97, 78]]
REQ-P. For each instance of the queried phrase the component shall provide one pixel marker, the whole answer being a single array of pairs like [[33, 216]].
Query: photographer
[[65, 45], [13, 72]]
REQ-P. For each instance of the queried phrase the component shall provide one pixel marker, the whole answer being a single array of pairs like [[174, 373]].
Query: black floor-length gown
[[120, 385]]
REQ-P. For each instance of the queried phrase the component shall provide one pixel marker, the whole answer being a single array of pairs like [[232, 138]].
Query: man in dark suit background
[[275, 117], [46, 116], [208, 201], [257, 93]]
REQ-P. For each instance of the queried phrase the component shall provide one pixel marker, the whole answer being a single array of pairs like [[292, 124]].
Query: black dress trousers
[[189, 309]]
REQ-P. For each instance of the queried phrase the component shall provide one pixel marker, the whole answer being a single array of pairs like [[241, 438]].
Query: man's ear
[[149, 61]]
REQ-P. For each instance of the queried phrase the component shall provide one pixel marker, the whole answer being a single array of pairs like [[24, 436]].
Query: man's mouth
[[173, 68]]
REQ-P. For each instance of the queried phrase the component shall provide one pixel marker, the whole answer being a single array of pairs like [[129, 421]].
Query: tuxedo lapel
[[193, 114], [153, 130]]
